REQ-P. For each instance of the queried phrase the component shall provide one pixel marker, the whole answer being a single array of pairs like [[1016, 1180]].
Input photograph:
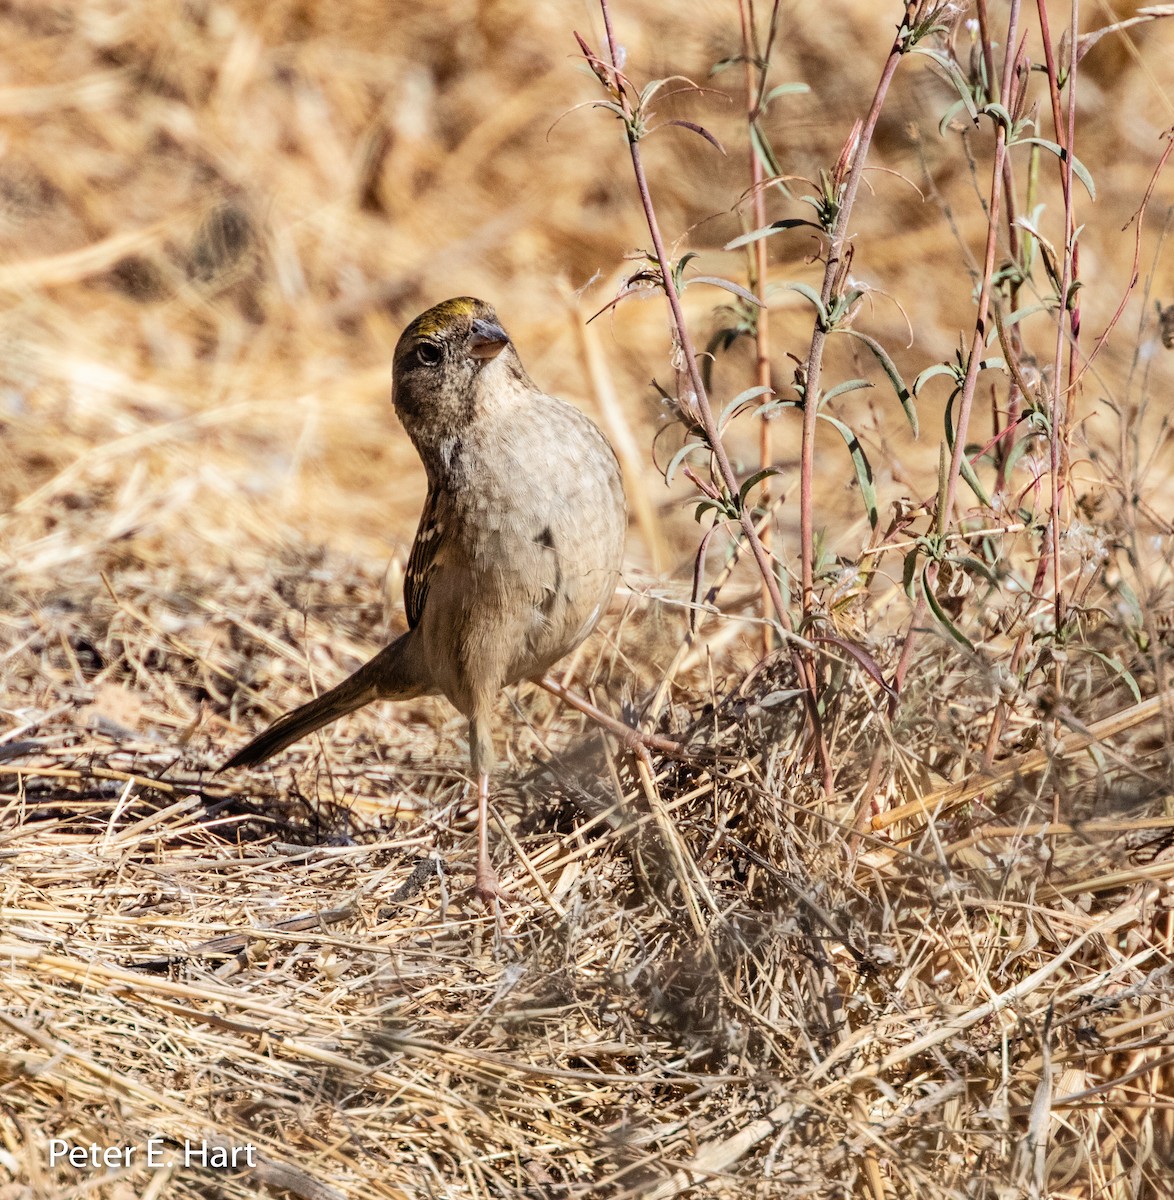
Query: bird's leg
[[631, 736], [485, 884]]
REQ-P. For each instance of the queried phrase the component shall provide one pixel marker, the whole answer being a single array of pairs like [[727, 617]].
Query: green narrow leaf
[[909, 573], [736, 288], [1119, 670], [763, 150], [950, 113], [1078, 168], [1018, 448], [769, 231], [930, 372], [705, 506], [774, 405], [679, 458], [851, 385], [785, 89], [975, 566], [737, 402], [967, 470], [1014, 318], [1000, 116], [753, 482], [861, 464], [890, 369], [954, 75], [940, 612], [809, 293]]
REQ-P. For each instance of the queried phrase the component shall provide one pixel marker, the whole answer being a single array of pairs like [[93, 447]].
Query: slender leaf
[[870, 665], [940, 613], [975, 566], [954, 75], [1000, 116], [1119, 670], [774, 405], [890, 369], [762, 149], [680, 457], [700, 129], [753, 482], [950, 113], [785, 89], [966, 469], [1014, 318], [930, 372], [909, 573], [850, 385], [699, 578], [736, 288], [861, 464], [705, 506], [1078, 168], [737, 402], [811, 294], [770, 230]]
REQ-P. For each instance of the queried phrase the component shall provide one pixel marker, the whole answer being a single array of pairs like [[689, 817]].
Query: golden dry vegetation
[[951, 977]]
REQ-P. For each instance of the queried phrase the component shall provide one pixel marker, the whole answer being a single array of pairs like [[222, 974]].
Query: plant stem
[[978, 340], [701, 399], [755, 78], [1062, 415], [729, 479], [814, 366]]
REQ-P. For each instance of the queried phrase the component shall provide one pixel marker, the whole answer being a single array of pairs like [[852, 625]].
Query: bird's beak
[[487, 339]]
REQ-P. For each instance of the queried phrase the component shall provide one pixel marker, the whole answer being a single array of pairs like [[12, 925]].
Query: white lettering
[[204, 1154]]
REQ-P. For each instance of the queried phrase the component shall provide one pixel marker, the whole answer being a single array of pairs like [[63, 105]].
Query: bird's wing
[[422, 560]]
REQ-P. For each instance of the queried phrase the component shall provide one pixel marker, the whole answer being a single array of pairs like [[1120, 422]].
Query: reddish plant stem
[[814, 366], [1062, 415], [1135, 269], [755, 75], [704, 411], [701, 399], [978, 340], [1013, 336]]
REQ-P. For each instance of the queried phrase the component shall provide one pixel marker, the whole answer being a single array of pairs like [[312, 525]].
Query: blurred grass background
[[216, 217]]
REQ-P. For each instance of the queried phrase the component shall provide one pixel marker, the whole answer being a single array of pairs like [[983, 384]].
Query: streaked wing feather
[[421, 561]]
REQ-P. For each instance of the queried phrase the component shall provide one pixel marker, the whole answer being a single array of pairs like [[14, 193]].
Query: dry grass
[[947, 980]]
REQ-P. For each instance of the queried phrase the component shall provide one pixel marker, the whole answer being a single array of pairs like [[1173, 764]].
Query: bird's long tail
[[391, 675]]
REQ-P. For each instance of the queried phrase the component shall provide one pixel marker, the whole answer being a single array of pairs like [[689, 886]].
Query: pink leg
[[485, 886]]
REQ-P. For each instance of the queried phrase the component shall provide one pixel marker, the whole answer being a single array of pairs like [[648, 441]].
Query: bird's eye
[[428, 354]]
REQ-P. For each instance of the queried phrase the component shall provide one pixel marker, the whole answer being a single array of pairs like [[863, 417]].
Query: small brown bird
[[518, 549]]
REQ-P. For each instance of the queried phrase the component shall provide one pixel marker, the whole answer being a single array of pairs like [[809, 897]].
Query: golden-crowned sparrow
[[518, 548]]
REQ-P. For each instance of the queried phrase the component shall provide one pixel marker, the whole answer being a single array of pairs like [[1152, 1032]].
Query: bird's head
[[450, 363]]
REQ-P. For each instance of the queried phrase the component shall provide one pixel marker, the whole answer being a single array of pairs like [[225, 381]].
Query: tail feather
[[388, 676]]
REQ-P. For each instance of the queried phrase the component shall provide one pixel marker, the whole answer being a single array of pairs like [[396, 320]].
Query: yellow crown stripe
[[441, 316]]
